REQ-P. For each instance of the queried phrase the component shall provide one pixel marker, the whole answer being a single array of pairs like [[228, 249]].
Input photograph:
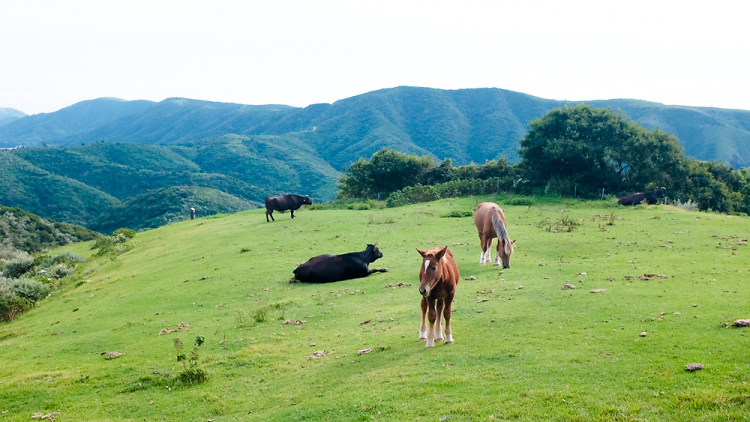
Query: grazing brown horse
[[438, 278], [490, 222]]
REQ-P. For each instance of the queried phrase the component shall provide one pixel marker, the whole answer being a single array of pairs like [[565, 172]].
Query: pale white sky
[[56, 53]]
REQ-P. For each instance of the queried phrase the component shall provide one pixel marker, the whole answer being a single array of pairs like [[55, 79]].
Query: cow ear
[[440, 253], [421, 252]]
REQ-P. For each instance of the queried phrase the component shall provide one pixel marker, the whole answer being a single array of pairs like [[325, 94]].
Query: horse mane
[[502, 234]]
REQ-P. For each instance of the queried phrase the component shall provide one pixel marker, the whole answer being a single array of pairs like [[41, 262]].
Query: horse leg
[[482, 242], [423, 327], [432, 315], [497, 254], [447, 310], [267, 215], [438, 326], [488, 250], [292, 213], [271, 214]]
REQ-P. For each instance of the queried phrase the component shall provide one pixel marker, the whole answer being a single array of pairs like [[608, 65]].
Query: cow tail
[[501, 233]]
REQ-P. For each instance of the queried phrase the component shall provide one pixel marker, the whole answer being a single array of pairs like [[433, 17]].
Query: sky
[[56, 53]]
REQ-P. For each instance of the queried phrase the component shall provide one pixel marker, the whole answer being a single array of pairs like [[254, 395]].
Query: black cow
[[330, 268], [285, 202], [651, 197]]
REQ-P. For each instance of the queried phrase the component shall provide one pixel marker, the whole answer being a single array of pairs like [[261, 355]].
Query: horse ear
[[513, 242], [421, 252], [440, 253]]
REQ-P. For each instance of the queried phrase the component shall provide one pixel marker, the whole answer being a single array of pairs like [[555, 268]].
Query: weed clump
[[261, 313], [192, 373]]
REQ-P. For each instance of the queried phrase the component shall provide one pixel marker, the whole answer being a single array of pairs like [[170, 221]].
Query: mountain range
[[84, 159], [464, 125]]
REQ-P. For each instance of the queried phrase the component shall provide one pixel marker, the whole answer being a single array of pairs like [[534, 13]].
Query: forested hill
[[465, 125], [52, 127], [8, 115]]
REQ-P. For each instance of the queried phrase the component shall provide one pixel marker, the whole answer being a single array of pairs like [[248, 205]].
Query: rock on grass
[[693, 367]]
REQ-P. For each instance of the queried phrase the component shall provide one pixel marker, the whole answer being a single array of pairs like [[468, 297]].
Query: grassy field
[[536, 352]]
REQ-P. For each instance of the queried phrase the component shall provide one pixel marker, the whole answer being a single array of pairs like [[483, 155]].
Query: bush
[[454, 188], [12, 306], [521, 201], [129, 233], [457, 214], [18, 266], [63, 258], [26, 288], [60, 271]]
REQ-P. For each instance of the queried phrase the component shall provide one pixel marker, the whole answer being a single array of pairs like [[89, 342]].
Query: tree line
[[583, 151]]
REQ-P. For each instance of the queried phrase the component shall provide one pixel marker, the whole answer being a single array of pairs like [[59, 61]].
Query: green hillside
[[28, 232], [50, 127], [274, 164], [168, 205], [525, 349], [38, 191]]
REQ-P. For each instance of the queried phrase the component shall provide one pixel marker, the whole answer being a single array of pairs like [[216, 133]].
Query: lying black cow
[[285, 202], [651, 197], [330, 268]]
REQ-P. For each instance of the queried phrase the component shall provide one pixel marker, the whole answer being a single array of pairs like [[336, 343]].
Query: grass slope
[[536, 353], [168, 205]]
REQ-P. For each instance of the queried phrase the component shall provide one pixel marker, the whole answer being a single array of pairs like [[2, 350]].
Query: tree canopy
[[596, 148]]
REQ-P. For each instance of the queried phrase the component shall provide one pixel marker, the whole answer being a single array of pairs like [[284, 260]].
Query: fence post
[[192, 213]]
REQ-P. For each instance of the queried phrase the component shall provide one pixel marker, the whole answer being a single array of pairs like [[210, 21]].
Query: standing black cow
[[330, 268], [651, 197], [285, 202]]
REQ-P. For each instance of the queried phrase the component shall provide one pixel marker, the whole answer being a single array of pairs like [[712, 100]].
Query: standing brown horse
[[438, 278], [490, 222]]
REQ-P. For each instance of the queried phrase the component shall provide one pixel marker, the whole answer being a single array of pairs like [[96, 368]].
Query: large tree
[[595, 148]]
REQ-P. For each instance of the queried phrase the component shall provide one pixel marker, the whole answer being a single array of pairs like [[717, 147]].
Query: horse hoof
[[385, 270], [428, 346], [449, 342], [482, 263], [497, 265], [423, 339]]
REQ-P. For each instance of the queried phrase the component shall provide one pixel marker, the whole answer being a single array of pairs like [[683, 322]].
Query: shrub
[[12, 306], [63, 258], [457, 214], [129, 233], [26, 288], [18, 266], [60, 271], [192, 374], [521, 201]]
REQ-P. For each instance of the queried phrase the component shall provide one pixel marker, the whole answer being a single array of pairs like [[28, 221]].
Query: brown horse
[[438, 278], [490, 222]]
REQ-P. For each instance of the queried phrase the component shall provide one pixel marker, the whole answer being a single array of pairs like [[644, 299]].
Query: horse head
[[506, 250], [431, 271], [306, 200]]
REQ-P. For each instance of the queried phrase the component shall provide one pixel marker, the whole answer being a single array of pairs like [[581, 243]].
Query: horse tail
[[501, 232]]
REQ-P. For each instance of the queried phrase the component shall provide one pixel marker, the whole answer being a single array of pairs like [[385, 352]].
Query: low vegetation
[[532, 342]]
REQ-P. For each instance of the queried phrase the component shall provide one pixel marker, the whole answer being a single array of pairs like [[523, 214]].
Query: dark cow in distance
[[330, 268], [285, 202], [651, 197]]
